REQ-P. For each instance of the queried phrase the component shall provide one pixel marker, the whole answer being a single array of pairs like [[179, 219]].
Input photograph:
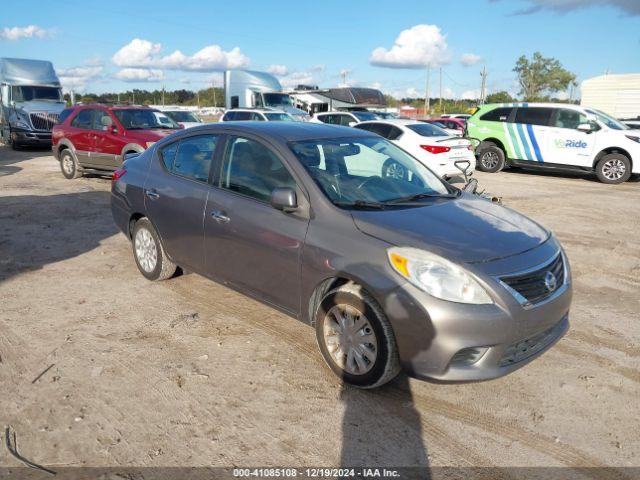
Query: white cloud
[[414, 48], [279, 70], [17, 33], [470, 94], [294, 79], [139, 75], [144, 54], [318, 68], [76, 78], [469, 59], [631, 7], [376, 85]]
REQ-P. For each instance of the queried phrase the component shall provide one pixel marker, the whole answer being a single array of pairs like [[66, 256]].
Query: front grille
[[529, 347], [43, 120], [537, 285]]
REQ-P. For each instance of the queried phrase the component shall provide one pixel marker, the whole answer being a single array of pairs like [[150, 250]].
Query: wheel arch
[[610, 150], [498, 143]]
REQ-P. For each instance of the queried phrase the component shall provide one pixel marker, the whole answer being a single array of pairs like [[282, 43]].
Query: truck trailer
[[30, 101]]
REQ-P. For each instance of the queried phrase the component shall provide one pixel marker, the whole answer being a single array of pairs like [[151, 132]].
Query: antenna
[[426, 91], [483, 85]]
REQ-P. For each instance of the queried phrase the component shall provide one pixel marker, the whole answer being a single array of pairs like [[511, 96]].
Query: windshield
[[366, 172], [24, 93], [144, 119], [365, 116], [276, 99], [607, 120], [279, 117], [181, 116], [428, 130]]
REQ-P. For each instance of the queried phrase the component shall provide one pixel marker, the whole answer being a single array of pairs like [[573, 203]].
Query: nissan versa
[[394, 272]]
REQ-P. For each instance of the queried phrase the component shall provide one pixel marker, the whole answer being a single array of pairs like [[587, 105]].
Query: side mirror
[[585, 127], [284, 198], [353, 124]]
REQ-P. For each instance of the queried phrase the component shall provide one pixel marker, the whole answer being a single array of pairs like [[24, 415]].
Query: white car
[[182, 117], [462, 116], [256, 114], [347, 119], [428, 143]]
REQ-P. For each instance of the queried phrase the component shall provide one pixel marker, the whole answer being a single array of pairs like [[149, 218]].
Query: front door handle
[[152, 194], [220, 217]]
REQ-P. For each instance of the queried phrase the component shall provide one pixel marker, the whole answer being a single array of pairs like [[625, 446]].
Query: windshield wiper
[[419, 196], [361, 204]]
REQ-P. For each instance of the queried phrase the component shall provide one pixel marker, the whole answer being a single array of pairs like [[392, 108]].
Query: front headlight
[[149, 144], [437, 276], [19, 123], [635, 139]]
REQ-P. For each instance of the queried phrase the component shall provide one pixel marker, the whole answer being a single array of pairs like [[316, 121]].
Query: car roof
[[393, 121], [259, 110], [286, 131], [533, 104]]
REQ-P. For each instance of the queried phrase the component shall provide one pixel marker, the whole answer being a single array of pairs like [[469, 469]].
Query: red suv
[[95, 138]]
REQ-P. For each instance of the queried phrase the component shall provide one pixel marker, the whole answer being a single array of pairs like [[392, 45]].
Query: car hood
[[150, 135], [467, 229], [40, 106]]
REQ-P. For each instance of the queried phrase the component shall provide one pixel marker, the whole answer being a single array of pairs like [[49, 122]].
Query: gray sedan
[[394, 272]]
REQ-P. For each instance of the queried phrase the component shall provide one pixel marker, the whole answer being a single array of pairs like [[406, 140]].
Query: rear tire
[[69, 165], [491, 158], [356, 338], [613, 168], [151, 259]]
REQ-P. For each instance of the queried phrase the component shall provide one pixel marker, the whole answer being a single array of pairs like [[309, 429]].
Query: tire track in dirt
[[564, 453]]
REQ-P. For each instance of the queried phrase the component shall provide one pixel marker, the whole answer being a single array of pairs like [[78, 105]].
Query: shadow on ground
[[38, 230]]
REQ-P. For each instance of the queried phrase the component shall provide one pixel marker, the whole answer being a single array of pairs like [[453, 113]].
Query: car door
[[248, 243], [530, 133], [565, 143], [176, 192], [107, 145], [80, 132]]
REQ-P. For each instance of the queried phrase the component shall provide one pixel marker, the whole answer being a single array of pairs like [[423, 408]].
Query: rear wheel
[[613, 168], [151, 259], [69, 165], [355, 338], [491, 158]]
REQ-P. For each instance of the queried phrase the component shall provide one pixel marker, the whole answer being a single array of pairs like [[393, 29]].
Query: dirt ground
[[189, 373]]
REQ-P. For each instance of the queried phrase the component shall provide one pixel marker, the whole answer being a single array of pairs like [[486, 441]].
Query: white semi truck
[[30, 101], [251, 89]]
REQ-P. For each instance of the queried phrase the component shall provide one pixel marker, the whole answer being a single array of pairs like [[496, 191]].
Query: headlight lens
[[20, 123], [149, 144], [437, 276], [635, 139]]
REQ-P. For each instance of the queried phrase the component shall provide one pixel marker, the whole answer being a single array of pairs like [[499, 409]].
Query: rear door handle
[[152, 194], [220, 217]]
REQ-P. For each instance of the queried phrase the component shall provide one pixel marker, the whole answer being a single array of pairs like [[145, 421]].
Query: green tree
[[540, 76], [499, 97]]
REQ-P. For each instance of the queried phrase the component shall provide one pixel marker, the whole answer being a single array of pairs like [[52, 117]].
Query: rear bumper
[[120, 213]]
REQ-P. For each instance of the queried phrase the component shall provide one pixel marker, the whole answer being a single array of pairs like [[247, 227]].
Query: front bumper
[[30, 137], [453, 342]]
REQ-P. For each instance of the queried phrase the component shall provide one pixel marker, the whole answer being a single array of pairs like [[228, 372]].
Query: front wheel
[[491, 158], [613, 168], [69, 165], [151, 259], [355, 338]]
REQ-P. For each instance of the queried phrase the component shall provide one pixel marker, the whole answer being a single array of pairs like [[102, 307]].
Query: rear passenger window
[[257, 117], [242, 116], [84, 119], [191, 157], [229, 116], [64, 115], [533, 116], [497, 115]]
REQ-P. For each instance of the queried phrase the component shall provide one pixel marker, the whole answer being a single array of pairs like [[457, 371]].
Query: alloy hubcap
[[396, 171], [614, 169], [67, 164], [146, 251], [490, 160], [350, 339]]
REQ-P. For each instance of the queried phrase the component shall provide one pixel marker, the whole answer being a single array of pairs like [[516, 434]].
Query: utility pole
[[344, 77], [441, 91], [133, 97], [483, 85], [118, 97], [426, 91], [198, 94], [163, 94], [215, 103]]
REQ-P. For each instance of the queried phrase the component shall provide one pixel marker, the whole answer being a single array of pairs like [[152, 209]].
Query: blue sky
[[119, 45]]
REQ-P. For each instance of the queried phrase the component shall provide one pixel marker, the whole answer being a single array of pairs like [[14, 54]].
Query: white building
[[617, 95]]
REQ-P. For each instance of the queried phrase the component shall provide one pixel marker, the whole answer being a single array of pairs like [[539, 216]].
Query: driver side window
[[566, 118]]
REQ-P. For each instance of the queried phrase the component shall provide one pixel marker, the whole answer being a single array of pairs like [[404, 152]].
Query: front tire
[[613, 168], [491, 158], [151, 259], [69, 165], [356, 338]]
